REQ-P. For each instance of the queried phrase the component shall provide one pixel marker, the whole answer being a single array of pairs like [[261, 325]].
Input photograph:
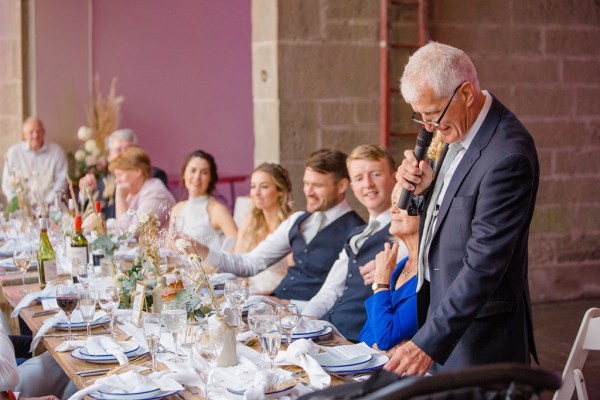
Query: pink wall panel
[[184, 68]]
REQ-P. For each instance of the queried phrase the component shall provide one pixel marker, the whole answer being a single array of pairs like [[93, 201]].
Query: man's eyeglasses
[[437, 123]]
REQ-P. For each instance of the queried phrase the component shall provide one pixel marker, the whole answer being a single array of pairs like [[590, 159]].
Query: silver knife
[[91, 372], [75, 334], [45, 312]]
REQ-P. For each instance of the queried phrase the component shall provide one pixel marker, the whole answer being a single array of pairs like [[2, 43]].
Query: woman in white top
[[270, 190], [201, 216]]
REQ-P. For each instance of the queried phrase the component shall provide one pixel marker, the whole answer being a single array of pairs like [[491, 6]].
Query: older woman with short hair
[[136, 189]]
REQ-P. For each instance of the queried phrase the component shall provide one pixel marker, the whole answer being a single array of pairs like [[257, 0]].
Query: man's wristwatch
[[376, 286]]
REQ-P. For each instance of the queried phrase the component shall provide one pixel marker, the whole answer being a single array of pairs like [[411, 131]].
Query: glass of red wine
[[67, 297]]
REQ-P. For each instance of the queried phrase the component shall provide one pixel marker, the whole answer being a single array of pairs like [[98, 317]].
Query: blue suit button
[[284, 289], [306, 250], [354, 261], [350, 275], [292, 278], [300, 262]]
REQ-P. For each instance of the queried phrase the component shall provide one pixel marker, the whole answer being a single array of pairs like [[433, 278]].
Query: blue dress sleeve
[[392, 314]]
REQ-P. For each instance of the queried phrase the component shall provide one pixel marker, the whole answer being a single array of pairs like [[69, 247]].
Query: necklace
[[406, 271]]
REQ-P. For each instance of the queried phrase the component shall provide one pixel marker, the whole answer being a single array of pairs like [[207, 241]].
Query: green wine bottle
[[78, 249], [46, 258]]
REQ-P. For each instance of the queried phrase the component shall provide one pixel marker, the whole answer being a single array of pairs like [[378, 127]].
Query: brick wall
[[541, 58], [11, 77]]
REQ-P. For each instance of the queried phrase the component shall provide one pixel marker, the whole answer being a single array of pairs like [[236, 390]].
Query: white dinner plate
[[327, 360], [279, 389], [8, 263], [108, 359], [323, 332], [147, 394], [159, 395], [377, 362], [80, 326], [128, 347]]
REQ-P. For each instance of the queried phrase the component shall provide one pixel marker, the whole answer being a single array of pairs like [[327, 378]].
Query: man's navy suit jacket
[[479, 310]]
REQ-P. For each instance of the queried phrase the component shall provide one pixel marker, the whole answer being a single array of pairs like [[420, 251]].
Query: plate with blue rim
[[133, 396], [128, 348], [377, 362], [79, 326], [327, 360], [107, 359], [277, 389]]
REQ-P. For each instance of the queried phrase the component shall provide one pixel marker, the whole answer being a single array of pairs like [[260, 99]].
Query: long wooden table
[[71, 365]]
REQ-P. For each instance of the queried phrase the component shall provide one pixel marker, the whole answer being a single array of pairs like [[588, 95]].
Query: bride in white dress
[[201, 216]]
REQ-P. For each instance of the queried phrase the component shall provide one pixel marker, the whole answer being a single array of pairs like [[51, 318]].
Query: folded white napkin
[[49, 291], [309, 325], [221, 278], [301, 353], [132, 382], [97, 345], [263, 380]]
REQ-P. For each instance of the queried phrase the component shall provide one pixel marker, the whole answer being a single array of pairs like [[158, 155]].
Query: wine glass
[[81, 271], [87, 306], [108, 298], [271, 343], [261, 320], [67, 297], [288, 318], [22, 257], [173, 317], [207, 347], [151, 326], [236, 294]]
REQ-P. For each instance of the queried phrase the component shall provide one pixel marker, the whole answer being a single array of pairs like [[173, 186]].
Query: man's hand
[[409, 359], [368, 271], [420, 173], [88, 181]]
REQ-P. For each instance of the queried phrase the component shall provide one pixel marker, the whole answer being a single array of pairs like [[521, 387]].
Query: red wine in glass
[[67, 298], [67, 303]]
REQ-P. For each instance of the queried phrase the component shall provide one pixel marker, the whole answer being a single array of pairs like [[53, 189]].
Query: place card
[[137, 305]]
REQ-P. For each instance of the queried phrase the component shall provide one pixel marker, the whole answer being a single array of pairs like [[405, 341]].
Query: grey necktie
[[432, 211], [314, 227], [357, 241]]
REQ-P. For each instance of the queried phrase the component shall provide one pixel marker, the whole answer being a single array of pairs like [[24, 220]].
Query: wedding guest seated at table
[[392, 309], [314, 237], [203, 217], [104, 190], [136, 190], [36, 159], [341, 298], [39, 378], [270, 190]]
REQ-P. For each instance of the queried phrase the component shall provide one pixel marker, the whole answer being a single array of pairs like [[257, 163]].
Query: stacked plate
[[311, 333], [152, 394], [278, 389], [355, 365], [130, 349], [80, 326]]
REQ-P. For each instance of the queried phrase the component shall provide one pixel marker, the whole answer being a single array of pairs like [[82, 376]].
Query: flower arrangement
[[127, 282], [191, 296], [103, 119]]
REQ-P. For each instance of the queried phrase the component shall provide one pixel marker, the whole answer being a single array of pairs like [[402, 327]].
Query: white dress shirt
[[47, 166], [9, 375], [465, 143], [275, 246], [334, 285]]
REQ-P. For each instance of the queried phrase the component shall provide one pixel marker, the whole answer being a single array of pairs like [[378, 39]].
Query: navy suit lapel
[[480, 141]]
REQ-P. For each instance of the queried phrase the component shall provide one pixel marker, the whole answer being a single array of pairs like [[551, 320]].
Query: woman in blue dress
[[392, 309]]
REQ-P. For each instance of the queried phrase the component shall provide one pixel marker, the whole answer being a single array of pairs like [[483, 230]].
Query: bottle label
[[77, 255], [50, 271]]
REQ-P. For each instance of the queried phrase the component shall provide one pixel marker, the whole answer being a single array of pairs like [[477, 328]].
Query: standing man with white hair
[[41, 162], [118, 141], [473, 294]]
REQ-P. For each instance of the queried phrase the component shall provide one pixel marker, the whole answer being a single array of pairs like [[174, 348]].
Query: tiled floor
[[555, 327]]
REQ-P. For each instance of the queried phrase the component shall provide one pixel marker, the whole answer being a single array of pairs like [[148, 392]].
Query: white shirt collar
[[336, 211], [384, 218], [42, 149], [466, 141]]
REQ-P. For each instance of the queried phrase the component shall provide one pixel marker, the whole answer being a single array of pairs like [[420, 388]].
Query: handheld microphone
[[423, 141]]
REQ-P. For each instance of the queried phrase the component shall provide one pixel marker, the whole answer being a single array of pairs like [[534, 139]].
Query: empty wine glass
[[173, 317], [288, 318], [271, 342], [67, 297], [262, 320], [81, 271], [108, 298], [151, 326], [206, 349], [22, 257], [87, 306], [236, 294]]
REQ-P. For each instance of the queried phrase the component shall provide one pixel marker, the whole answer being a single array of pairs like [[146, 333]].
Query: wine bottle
[[46, 258], [78, 249]]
